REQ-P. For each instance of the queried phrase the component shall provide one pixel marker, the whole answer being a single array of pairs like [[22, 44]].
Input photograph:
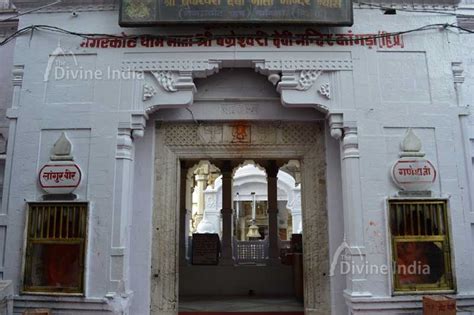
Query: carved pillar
[[272, 171], [183, 215], [122, 201], [226, 257], [201, 183], [356, 284], [297, 224], [12, 115]]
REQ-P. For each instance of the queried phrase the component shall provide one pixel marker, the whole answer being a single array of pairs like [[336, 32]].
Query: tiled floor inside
[[239, 304]]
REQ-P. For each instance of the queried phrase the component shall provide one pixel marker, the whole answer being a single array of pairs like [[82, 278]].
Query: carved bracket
[[301, 82], [336, 121], [129, 130], [304, 83], [169, 82]]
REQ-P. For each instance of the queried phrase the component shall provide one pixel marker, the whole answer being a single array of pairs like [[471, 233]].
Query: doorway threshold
[[229, 305]]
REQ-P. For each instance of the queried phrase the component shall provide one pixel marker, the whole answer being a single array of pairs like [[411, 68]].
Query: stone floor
[[239, 304]]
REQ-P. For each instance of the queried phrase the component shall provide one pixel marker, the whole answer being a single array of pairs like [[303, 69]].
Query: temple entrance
[[254, 191], [264, 271]]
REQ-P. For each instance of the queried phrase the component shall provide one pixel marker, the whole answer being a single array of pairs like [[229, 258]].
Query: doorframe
[[304, 141]]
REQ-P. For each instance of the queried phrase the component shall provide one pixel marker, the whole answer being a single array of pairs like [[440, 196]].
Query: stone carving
[[307, 79], [325, 90], [264, 133], [274, 78], [166, 80], [239, 109], [411, 145], [191, 134], [241, 133], [336, 124], [18, 72], [210, 134], [211, 201], [350, 142], [267, 66], [62, 149], [305, 133], [199, 67], [148, 92], [124, 144]]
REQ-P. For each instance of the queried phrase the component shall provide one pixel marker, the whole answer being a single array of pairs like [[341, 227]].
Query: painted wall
[[6, 92], [393, 89]]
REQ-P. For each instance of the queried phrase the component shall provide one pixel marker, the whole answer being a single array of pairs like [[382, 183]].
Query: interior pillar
[[226, 244], [272, 171], [182, 214], [201, 181]]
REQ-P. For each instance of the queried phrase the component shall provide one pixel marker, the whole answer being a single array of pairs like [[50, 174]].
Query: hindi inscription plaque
[[155, 12]]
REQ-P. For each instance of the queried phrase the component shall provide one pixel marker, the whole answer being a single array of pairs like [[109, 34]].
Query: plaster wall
[[389, 91]]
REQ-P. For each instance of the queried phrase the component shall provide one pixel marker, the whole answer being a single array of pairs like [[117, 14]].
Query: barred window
[[420, 245], [56, 236]]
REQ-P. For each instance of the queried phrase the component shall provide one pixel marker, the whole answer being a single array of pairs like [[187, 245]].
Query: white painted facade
[[375, 94]]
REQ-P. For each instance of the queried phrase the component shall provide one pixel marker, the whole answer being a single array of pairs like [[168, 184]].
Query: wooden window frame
[[447, 283], [29, 241]]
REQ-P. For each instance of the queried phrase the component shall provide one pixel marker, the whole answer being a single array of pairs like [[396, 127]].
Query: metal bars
[[55, 249], [420, 237]]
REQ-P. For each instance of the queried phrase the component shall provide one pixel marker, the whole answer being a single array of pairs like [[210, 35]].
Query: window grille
[[56, 236], [251, 252], [420, 245]]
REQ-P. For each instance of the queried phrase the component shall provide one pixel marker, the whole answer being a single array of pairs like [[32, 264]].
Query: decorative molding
[[269, 66], [325, 90], [350, 142], [166, 79], [307, 79], [257, 134], [336, 124], [458, 70], [148, 92], [124, 144], [294, 79], [138, 124], [18, 72], [200, 68]]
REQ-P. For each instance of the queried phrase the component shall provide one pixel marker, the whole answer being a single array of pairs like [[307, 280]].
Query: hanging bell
[[253, 232]]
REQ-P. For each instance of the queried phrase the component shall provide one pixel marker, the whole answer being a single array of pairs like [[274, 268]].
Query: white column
[[201, 184], [356, 284], [296, 211], [121, 213]]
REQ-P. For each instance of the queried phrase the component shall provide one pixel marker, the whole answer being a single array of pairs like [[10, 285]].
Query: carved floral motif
[[307, 79], [325, 90], [166, 80], [148, 92]]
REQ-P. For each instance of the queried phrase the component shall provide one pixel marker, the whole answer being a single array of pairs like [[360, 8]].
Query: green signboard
[[156, 12]]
